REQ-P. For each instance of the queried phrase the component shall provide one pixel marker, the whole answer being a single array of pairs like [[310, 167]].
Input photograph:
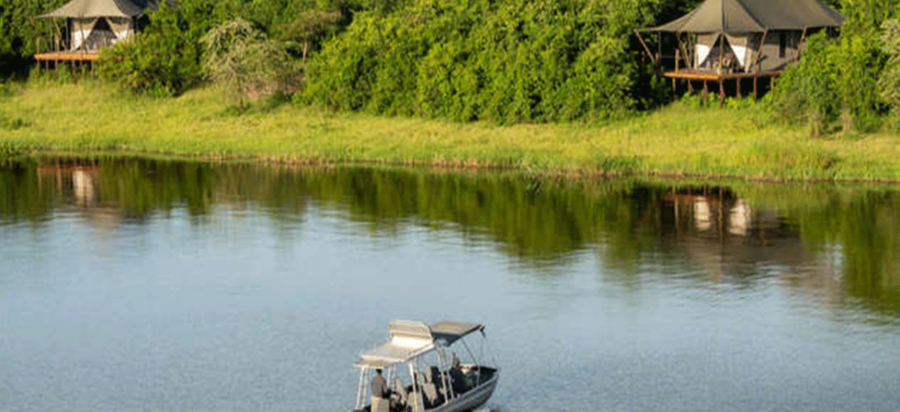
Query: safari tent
[[94, 24], [750, 35], [738, 39]]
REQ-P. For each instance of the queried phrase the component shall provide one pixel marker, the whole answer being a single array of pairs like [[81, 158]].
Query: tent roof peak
[[104, 8], [754, 16]]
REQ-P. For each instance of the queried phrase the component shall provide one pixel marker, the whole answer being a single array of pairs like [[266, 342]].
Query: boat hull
[[471, 399]]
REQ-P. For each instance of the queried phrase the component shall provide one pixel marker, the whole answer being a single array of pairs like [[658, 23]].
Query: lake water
[[138, 285]]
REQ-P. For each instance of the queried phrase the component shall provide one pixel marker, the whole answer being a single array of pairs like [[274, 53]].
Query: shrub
[[165, 58]]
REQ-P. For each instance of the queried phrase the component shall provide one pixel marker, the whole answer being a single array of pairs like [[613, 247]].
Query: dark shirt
[[379, 387]]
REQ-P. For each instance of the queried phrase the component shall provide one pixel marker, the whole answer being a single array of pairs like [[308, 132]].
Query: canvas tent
[[92, 24], [750, 35]]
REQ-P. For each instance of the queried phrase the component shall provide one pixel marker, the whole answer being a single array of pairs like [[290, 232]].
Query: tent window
[[782, 46]]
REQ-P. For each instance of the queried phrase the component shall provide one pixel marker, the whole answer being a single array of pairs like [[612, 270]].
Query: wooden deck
[[715, 77], [66, 57], [705, 77]]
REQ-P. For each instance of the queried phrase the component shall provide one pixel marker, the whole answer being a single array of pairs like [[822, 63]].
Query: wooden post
[[658, 44], [800, 45], [721, 92], [755, 78], [762, 43], [647, 49], [705, 90], [684, 52], [690, 87], [721, 54], [677, 59], [738, 88]]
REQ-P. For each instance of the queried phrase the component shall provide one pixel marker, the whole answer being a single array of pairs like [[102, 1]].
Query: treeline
[[508, 61], [505, 61]]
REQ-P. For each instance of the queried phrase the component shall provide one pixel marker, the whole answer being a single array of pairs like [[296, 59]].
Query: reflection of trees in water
[[845, 242]]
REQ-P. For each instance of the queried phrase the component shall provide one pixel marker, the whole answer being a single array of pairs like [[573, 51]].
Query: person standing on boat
[[380, 393]]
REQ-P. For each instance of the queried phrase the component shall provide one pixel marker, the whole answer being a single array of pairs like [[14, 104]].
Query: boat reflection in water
[[418, 353]]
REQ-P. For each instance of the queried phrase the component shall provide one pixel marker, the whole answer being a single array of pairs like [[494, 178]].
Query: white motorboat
[[422, 370]]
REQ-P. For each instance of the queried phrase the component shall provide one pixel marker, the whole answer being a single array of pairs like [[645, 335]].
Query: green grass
[[680, 140]]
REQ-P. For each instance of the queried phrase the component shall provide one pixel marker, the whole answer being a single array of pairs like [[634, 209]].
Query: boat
[[423, 373]]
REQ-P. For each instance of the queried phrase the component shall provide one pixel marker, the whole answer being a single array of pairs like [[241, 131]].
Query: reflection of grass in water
[[677, 140]]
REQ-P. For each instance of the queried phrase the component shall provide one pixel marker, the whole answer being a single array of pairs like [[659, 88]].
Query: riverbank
[[679, 140]]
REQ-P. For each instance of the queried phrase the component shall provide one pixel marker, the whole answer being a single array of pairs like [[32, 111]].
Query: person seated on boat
[[380, 393], [457, 377]]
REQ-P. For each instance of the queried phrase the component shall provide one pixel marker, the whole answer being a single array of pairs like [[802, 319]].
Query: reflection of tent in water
[[94, 24], [735, 39], [723, 233]]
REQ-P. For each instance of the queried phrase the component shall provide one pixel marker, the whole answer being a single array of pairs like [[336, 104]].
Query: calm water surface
[[136, 285]]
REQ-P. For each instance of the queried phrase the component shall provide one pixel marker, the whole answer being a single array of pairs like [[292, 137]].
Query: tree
[[239, 58], [310, 28]]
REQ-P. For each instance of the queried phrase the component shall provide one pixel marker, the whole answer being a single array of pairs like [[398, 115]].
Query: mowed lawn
[[676, 140]]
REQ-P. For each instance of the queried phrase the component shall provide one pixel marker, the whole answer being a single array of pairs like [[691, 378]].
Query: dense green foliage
[[889, 84], [838, 79], [508, 61], [166, 58], [21, 31]]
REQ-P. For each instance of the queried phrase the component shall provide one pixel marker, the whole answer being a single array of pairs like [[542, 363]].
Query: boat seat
[[416, 399], [431, 394], [401, 391]]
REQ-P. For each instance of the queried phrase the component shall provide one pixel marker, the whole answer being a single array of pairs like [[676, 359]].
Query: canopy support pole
[[762, 44], [721, 93], [800, 45], [684, 53], [415, 388], [647, 49], [755, 79]]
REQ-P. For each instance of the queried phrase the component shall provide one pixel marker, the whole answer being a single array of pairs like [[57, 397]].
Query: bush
[[165, 58]]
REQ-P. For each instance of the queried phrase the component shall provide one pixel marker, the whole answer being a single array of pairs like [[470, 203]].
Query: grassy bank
[[678, 140]]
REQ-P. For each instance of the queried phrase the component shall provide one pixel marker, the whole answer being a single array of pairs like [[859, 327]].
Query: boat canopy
[[411, 339]]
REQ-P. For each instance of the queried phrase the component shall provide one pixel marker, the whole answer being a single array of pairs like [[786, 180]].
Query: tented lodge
[[739, 39], [89, 25]]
